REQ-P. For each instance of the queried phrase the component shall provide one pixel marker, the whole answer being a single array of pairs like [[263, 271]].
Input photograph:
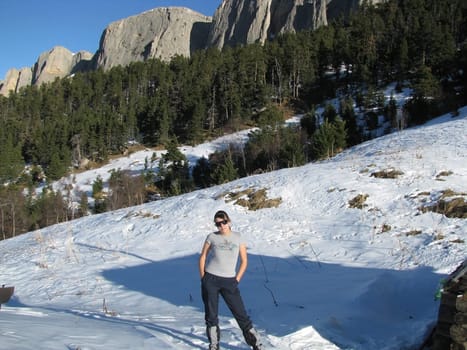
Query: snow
[[321, 275], [137, 161]]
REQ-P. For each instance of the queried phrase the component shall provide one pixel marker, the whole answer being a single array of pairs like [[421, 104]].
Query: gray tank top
[[223, 255]]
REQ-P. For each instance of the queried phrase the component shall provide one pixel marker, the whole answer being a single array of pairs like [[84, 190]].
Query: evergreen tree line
[[93, 115]]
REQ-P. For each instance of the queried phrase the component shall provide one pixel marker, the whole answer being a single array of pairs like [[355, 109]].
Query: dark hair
[[220, 214]]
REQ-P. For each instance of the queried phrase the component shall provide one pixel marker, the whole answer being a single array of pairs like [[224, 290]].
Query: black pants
[[211, 287]]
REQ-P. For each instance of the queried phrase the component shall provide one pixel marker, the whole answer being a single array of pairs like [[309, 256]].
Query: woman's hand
[[202, 258], [243, 262]]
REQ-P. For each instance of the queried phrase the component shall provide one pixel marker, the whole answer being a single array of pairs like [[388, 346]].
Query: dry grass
[[386, 228], [387, 174], [141, 213], [413, 233], [253, 199], [449, 203], [442, 174], [358, 201], [451, 208], [450, 193]]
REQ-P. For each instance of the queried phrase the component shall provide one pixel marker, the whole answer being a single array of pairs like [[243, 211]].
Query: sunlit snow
[[321, 275]]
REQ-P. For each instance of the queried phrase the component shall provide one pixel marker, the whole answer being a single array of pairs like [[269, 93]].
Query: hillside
[[321, 275]]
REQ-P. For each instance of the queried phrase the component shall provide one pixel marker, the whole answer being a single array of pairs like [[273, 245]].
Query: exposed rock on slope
[[249, 21], [158, 33]]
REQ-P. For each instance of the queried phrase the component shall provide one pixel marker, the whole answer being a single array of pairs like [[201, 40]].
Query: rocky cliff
[[15, 79], [165, 32], [250, 21], [59, 62], [158, 33]]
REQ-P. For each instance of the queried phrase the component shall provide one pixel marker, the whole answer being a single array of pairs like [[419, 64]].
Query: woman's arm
[[243, 262], [202, 258]]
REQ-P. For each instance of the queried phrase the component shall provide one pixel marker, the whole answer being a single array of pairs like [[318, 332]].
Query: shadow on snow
[[284, 295]]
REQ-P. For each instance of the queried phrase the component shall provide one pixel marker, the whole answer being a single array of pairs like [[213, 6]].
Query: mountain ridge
[[164, 32]]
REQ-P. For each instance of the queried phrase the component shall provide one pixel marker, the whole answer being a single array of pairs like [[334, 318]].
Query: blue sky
[[30, 27]]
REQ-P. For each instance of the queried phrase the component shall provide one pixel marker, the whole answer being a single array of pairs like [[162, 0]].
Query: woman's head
[[221, 218]]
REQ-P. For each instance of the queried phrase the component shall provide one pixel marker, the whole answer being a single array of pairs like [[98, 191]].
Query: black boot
[[214, 337], [252, 339]]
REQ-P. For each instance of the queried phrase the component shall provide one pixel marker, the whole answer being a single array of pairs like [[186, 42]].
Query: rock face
[[24, 78], [82, 61], [16, 79], [158, 33], [250, 21], [59, 62], [10, 82]]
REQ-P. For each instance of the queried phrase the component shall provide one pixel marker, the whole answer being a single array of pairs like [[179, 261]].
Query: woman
[[217, 267]]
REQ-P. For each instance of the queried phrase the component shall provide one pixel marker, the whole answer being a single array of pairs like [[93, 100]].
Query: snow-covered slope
[[321, 275]]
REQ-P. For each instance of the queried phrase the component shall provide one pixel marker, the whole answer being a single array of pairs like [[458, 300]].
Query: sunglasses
[[219, 223]]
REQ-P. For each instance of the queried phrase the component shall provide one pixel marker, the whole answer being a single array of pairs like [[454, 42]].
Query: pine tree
[[329, 139], [291, 152], [309, 122], [330, 113], [174, 174], [11, 161], [202, 173], [57, 167], [225, 172], [83, 204], [348, 115]]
